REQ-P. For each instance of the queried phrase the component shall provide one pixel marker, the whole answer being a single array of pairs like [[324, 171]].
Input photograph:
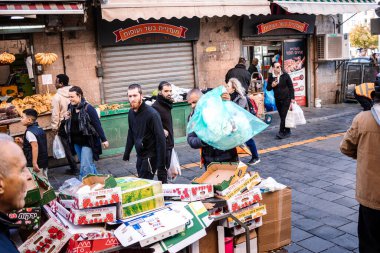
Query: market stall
[[227, 209]]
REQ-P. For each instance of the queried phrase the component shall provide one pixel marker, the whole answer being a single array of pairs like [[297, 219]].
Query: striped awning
[[146, 9], [41, 8], [326, 7]]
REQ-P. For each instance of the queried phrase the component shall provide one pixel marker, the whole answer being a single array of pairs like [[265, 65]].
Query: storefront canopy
[[326, 7], [145, 9], [40, 8]]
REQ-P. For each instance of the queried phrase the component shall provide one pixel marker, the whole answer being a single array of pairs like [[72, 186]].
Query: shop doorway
[[291, 53], [16, 78]]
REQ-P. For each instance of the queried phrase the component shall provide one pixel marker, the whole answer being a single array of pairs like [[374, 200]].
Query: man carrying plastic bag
[[223, 124]]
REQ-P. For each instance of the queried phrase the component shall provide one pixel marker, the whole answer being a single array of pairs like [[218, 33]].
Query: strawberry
[[81, 220], [115, 198], [86, 203], [109, 217]]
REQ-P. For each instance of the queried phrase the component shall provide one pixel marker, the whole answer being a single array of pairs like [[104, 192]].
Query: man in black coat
[[147, 135], [13, 186], [163, 106], [241, 73], [282, 85], [209, 154]]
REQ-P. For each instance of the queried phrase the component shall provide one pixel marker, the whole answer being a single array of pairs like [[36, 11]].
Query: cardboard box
[[67, 203], [222, 175], [243, 200], [240, 243], [188, 192], [28, 218], [141, 206], [39, 191], [109, 195], [86, 216], [33, 195], [195, 230], [276, 229], [135, 189], [246, 214], [51, 237], [237, 230], [151, 227], [249, 179]]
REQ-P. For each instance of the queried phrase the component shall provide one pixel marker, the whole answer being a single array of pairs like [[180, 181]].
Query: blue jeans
[[87, 165], [252, 147]]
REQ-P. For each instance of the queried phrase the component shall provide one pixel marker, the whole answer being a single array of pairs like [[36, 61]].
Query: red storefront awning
[[41, 8]]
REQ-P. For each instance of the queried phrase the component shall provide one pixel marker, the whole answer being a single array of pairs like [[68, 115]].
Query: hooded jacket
[[59, 105], [241, 73], [362, 142], [164, 108], [6, 245]]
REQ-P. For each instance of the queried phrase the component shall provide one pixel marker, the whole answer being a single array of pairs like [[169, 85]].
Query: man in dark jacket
[[13, 186], [241, 73], [282, 85], [163, 106], [209, 154], [147, 135]]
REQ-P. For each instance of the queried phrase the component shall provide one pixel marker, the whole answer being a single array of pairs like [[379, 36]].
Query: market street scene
[[245, 126]]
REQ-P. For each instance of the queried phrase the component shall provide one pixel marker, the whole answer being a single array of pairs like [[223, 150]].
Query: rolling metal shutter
[[147, 65]]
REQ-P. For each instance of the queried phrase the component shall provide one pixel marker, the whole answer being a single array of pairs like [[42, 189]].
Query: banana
[[45, 58]]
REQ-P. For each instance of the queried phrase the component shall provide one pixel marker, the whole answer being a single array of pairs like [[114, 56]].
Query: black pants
[[69, 155], [168, 158], [283, 108], [369, 230], [365, 102], [146, 168]]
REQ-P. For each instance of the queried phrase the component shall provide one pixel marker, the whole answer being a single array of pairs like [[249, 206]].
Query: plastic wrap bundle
[[223, 124]]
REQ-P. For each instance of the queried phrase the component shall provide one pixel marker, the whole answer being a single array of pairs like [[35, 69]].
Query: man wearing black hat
[[163, 106], [362, 142]]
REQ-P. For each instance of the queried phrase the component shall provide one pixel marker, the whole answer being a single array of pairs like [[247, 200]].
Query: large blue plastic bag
[[223, 124], [269, 102]]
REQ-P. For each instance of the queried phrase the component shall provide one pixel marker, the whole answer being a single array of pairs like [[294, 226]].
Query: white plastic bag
[[175, 168], [58, 150], [299, 118], [290, 119]]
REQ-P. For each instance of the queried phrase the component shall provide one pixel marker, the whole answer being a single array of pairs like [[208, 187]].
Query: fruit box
[[51, 237], [135, 189], [141, 206], [247, 182], [222, 175], [258, 222], [97, 198], [243, 200], [33, 195], [151, 227], [107, 180], [39, 192], [246, 214], [86, 216], [67, 203], [188, 192], [28, 218]]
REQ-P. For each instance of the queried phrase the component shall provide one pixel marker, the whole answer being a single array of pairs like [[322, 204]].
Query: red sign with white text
[[281, 24], [137, 30]]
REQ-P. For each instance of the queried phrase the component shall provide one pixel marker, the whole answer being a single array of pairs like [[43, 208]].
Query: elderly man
[[362, 142], [13, 182], [209, 154]]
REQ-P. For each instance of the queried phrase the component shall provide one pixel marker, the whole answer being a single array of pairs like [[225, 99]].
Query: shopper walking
[[147, 135], [209, 154], [84, 131], [362, 142], [236, 92], [163, 106], [241, 73], [282, 85], [59, 106]]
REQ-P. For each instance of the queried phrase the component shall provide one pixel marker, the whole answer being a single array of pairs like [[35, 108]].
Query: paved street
[[324, 211]]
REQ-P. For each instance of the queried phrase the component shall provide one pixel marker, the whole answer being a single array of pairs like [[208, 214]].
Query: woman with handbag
[[85, 132]]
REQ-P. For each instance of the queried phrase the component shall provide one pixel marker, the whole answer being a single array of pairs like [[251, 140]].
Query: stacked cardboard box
[[188, 192], [139, 195]]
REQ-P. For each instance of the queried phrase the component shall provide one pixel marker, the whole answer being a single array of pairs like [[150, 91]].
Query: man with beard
[[147, 135], [13, 185], [163, 106]]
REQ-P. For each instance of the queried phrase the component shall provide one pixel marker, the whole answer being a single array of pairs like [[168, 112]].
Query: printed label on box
[[98, 198], [189, 192], [244, 200]]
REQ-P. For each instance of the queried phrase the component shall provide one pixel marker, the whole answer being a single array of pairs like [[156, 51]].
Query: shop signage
[[282, 24], [278, 25], [294, 58], [136, 30], [132, 32]]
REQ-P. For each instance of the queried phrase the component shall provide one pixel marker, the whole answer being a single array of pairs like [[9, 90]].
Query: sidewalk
[[319, 124]]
